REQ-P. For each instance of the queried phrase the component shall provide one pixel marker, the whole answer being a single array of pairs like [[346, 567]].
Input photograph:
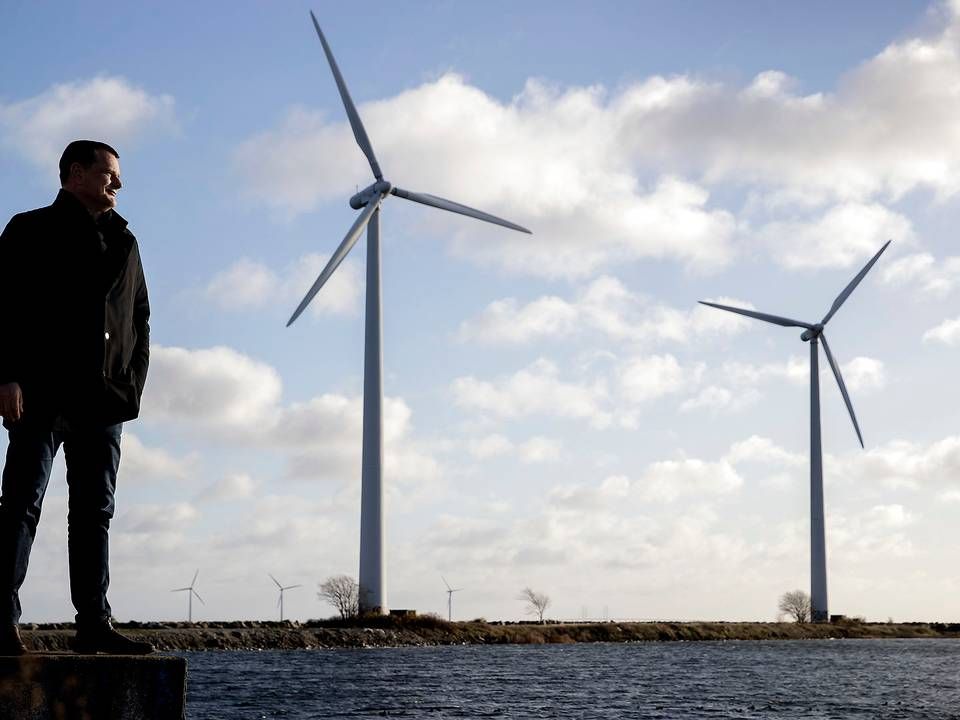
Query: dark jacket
[[74, 330]]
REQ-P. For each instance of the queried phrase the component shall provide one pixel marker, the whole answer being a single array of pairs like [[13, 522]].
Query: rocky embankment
[[428, 630]]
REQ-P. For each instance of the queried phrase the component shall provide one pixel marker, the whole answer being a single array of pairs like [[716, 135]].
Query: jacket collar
[[67, 202]]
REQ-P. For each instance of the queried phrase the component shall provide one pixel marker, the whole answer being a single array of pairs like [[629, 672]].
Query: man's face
[[96, 186]]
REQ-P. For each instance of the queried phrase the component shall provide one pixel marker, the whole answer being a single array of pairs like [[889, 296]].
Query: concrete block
[[64, 686]]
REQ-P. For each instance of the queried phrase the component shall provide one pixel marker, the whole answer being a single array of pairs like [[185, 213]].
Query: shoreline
[[424, 631]]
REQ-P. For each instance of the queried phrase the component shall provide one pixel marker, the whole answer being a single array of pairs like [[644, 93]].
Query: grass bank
[[429, 630]]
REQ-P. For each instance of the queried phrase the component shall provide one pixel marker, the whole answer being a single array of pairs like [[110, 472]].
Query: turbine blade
[[291, 587], [450, 206], [194, 577], [341, 252], [198, 597], [842, 297], [843, 388], [775, 319], [275, 581], [358, 130], [445, 582], [179, 589]]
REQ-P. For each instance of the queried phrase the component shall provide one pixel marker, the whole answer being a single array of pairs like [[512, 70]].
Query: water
[[875, 679]]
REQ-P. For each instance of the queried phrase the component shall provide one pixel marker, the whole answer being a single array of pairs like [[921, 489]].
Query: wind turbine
[[813, 333], [372, 594], [190, 593], [282, 588], [450, 592]]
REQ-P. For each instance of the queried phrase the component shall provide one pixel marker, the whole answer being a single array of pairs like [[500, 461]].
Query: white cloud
[[712, 321], [539, 389], [874, 533], [236, 486], [715, 398], [541, 450], [250, 284], [229, 397], [537, 449], [902, 464], [245, 284], [504, 321], [795, 370], [863, 374], [579, 496], [712, 397], [666, 521], [934, 278], [536, 389], [669, 480], [489, 446], [666, 481], [843, 236], [107, 108], [218, 388], [151, 518], [566, 161], [142, 462], [756, 449], [947, 332], [891, 516], [646, 378], [547, 159], [324, 437], [605, 306], [340, 294], [290, 177], [887, 129]]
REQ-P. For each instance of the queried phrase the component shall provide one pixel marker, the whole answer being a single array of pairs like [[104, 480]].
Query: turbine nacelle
[[363, 198]]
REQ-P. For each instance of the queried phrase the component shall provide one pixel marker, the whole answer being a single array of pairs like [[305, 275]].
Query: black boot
[[103, 638], [10, 641]]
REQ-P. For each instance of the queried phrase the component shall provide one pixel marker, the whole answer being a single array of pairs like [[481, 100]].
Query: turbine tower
[[373, 594], [282, 589], [813, 333], [450, 592], [190, 593]]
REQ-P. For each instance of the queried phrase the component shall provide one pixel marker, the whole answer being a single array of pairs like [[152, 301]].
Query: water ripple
[[829, 680]]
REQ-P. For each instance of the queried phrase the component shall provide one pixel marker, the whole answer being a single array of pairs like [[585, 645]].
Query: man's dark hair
[[83, 152]]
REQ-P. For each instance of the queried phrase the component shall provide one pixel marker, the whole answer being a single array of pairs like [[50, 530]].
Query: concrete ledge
[[55, 686]]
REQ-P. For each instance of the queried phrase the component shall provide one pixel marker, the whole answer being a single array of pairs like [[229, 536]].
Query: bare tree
[[343, 593], [537, 603], [796, 604]]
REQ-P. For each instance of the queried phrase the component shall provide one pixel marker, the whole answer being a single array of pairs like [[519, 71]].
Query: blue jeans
[[93, 456]]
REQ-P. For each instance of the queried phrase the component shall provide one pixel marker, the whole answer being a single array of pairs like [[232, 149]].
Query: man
[[74, 348]]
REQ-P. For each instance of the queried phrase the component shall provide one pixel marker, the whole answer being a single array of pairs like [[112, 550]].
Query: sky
[[560, 413]]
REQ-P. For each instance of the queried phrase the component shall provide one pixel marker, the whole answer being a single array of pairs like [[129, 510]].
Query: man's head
[[91, 171]]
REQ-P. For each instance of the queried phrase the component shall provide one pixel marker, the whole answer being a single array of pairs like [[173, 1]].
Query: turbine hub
[[813, 333], [360, 200]]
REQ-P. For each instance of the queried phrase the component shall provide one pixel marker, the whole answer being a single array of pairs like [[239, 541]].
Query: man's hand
[[11, 401]]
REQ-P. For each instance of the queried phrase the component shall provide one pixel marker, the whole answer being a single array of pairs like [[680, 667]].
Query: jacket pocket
[[121, 398]]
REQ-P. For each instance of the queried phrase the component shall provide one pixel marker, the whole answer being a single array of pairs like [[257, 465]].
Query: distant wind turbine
[[282, 589], [190, 593], [450, 592], [372, 593], [813, 333]]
